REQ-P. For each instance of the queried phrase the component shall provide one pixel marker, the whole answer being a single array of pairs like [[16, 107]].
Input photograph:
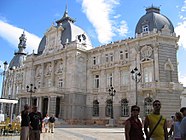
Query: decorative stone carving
[[146, 53]]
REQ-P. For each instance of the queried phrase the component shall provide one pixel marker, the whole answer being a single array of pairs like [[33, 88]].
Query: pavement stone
[[79, 133]]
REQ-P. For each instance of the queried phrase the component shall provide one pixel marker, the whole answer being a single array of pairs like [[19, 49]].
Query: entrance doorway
[[57, 107], [45, 107]]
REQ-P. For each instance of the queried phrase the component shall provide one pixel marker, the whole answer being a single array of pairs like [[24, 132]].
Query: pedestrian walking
[[133, 125], [51, 123], [35, 124], [183, 124], [156, 123], [46, 123], [175, 127], [24, 135]]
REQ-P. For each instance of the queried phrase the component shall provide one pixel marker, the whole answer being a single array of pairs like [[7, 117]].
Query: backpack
[[52, 119]]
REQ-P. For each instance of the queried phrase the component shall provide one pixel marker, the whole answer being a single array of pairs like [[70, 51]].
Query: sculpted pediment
[[53, 39], [53, 29]]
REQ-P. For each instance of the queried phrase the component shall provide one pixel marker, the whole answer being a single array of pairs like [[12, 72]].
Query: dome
[[17, 61], [70, 33], [153, 20]]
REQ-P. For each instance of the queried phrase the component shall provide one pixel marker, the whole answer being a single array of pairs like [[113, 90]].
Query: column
[[48, 111], [39, 103]]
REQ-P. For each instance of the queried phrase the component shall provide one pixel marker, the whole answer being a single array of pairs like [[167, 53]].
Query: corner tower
[[157, 58]]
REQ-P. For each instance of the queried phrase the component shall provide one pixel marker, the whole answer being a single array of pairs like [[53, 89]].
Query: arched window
[[108, 108], [124, 108], [121, 55], [145, 29], [168, 73], [169, 68], [95, 108], [148, 105]]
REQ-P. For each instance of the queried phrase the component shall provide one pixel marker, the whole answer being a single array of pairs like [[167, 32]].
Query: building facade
[[73, 78]]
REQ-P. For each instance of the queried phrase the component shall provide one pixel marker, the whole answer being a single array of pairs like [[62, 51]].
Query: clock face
[[146, 52]]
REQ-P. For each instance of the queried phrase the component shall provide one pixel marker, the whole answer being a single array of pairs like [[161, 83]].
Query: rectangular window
[[148, 74], [111, 57], [96, 81], [60, 83], [106, 58], [94, 60], [121, 55], [126, 54], [109, 79]]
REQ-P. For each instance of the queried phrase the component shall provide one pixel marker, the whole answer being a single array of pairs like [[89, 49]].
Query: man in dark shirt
[[35, 124], [51, 123], [25, 123]]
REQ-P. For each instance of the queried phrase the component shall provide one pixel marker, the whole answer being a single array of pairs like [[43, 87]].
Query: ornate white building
[[73, 78]]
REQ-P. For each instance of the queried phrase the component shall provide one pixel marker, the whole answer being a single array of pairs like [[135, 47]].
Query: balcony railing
[[160, 85]]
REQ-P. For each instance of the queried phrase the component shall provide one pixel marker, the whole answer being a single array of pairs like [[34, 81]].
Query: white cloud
[[180, 29], [12, 33], [183, 9], [100, 13], [123, 28], [182, 79]]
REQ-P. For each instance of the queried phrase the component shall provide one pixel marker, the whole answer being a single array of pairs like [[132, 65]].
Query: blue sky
[[103, 20]]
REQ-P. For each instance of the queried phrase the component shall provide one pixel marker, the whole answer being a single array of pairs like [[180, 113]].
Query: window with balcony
[[60, 83], [106, 58], [124, 108], [95, 108], [148, 105], [168, 73], [108, 108], [111, 57], [109, 79], [94, 60], [96, 81], [121, 55], [148, 74], [126, 54]]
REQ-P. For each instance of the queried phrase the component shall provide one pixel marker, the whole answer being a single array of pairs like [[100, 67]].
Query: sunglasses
[[135, 109], [157, 104]]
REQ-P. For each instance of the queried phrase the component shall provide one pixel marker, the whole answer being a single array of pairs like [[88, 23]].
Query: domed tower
[[65, 32], [19, 57], [153, 21], [156, 56]]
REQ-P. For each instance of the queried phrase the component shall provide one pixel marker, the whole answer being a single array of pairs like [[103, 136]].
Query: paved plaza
[[79, 133]]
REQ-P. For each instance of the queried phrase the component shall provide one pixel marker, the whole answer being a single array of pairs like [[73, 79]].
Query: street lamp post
[[3, 74], [31, 90], [112, 93], [136, 76]]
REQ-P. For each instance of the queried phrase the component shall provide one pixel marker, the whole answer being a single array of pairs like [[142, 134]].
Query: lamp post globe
[[112, 93], [136, 76]]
